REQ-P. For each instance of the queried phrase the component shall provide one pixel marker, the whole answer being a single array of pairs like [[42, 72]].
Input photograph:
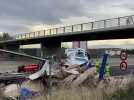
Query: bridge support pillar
[[51, 48], [80, 44]]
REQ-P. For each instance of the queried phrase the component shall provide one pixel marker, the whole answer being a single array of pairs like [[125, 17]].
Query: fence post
[[56, 30], [92, 25], [81, 27], [28, 35], [104, 23], [119, 21], [50, 30], [38, 33], [72, 28], [64, 30], [34, 34], [44, 32]]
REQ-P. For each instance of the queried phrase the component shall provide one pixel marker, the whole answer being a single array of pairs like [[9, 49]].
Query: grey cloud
[[128, 5], [48, 11], [32, 12], [18, 15]]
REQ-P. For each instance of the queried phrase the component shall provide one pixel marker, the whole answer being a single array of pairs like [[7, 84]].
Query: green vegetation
[[130, 51], [124, 94], [5, 36], [85, 93]]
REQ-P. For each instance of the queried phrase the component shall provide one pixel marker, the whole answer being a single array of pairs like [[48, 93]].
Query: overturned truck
[[18, 77]]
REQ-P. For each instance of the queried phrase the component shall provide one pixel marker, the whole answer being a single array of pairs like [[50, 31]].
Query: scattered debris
[[75, 71], [39, 73], [68, 80], [26, 94], [72, 71], [9, 78], [76, 56], [11, 90], [88, 73]]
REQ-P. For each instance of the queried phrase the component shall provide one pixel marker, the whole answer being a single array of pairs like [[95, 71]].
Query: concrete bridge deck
[[50, 40], [114, 28]]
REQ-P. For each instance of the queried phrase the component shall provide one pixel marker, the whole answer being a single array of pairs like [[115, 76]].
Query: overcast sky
[[19, 16]]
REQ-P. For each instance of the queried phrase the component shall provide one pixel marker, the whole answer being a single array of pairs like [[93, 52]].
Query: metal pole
[[21, 54], [50, 78], [119, 21], [104, 23], [64, 30], [81, 27], [92, 25], [72, 28]]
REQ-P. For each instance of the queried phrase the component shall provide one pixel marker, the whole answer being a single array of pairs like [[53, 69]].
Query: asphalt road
[[115, 71], [9, 66]]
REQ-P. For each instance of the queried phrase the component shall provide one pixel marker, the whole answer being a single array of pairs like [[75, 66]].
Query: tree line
[[5, 36]]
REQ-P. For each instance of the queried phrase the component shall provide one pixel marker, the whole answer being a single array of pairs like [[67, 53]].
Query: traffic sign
[[123, 66], [123, 55]]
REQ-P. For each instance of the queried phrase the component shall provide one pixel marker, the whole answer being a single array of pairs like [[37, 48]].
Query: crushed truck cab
[[76, 56]]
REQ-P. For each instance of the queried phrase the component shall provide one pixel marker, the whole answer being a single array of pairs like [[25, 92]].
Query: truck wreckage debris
[[18, 77], [75, 70], [76, 57]]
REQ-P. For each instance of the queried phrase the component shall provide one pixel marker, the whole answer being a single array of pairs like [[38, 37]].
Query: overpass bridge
[[50, 40]]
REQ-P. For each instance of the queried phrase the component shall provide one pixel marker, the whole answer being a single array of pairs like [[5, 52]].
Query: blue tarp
[[25, 92]]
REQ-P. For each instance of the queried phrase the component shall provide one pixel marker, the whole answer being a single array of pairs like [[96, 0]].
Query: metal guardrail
[[107, 23], [24, 55]]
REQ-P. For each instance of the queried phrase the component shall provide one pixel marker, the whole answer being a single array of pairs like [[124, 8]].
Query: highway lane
[[9, 66], [115, 71]]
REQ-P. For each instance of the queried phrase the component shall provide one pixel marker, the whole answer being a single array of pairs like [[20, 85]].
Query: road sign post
[[123, 57], [102, 68], [123, 66]]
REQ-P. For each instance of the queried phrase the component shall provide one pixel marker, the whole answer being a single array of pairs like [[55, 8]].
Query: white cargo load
[[76, 56]]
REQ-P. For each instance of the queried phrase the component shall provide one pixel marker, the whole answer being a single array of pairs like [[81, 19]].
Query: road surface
[[9, 66]]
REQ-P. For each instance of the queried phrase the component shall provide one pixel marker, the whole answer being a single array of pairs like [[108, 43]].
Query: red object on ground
[[29, 68]]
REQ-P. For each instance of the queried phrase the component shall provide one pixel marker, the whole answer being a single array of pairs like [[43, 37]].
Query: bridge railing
[[107, 23]]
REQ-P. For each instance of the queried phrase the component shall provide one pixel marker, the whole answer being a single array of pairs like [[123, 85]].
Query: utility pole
[[51, 61]]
